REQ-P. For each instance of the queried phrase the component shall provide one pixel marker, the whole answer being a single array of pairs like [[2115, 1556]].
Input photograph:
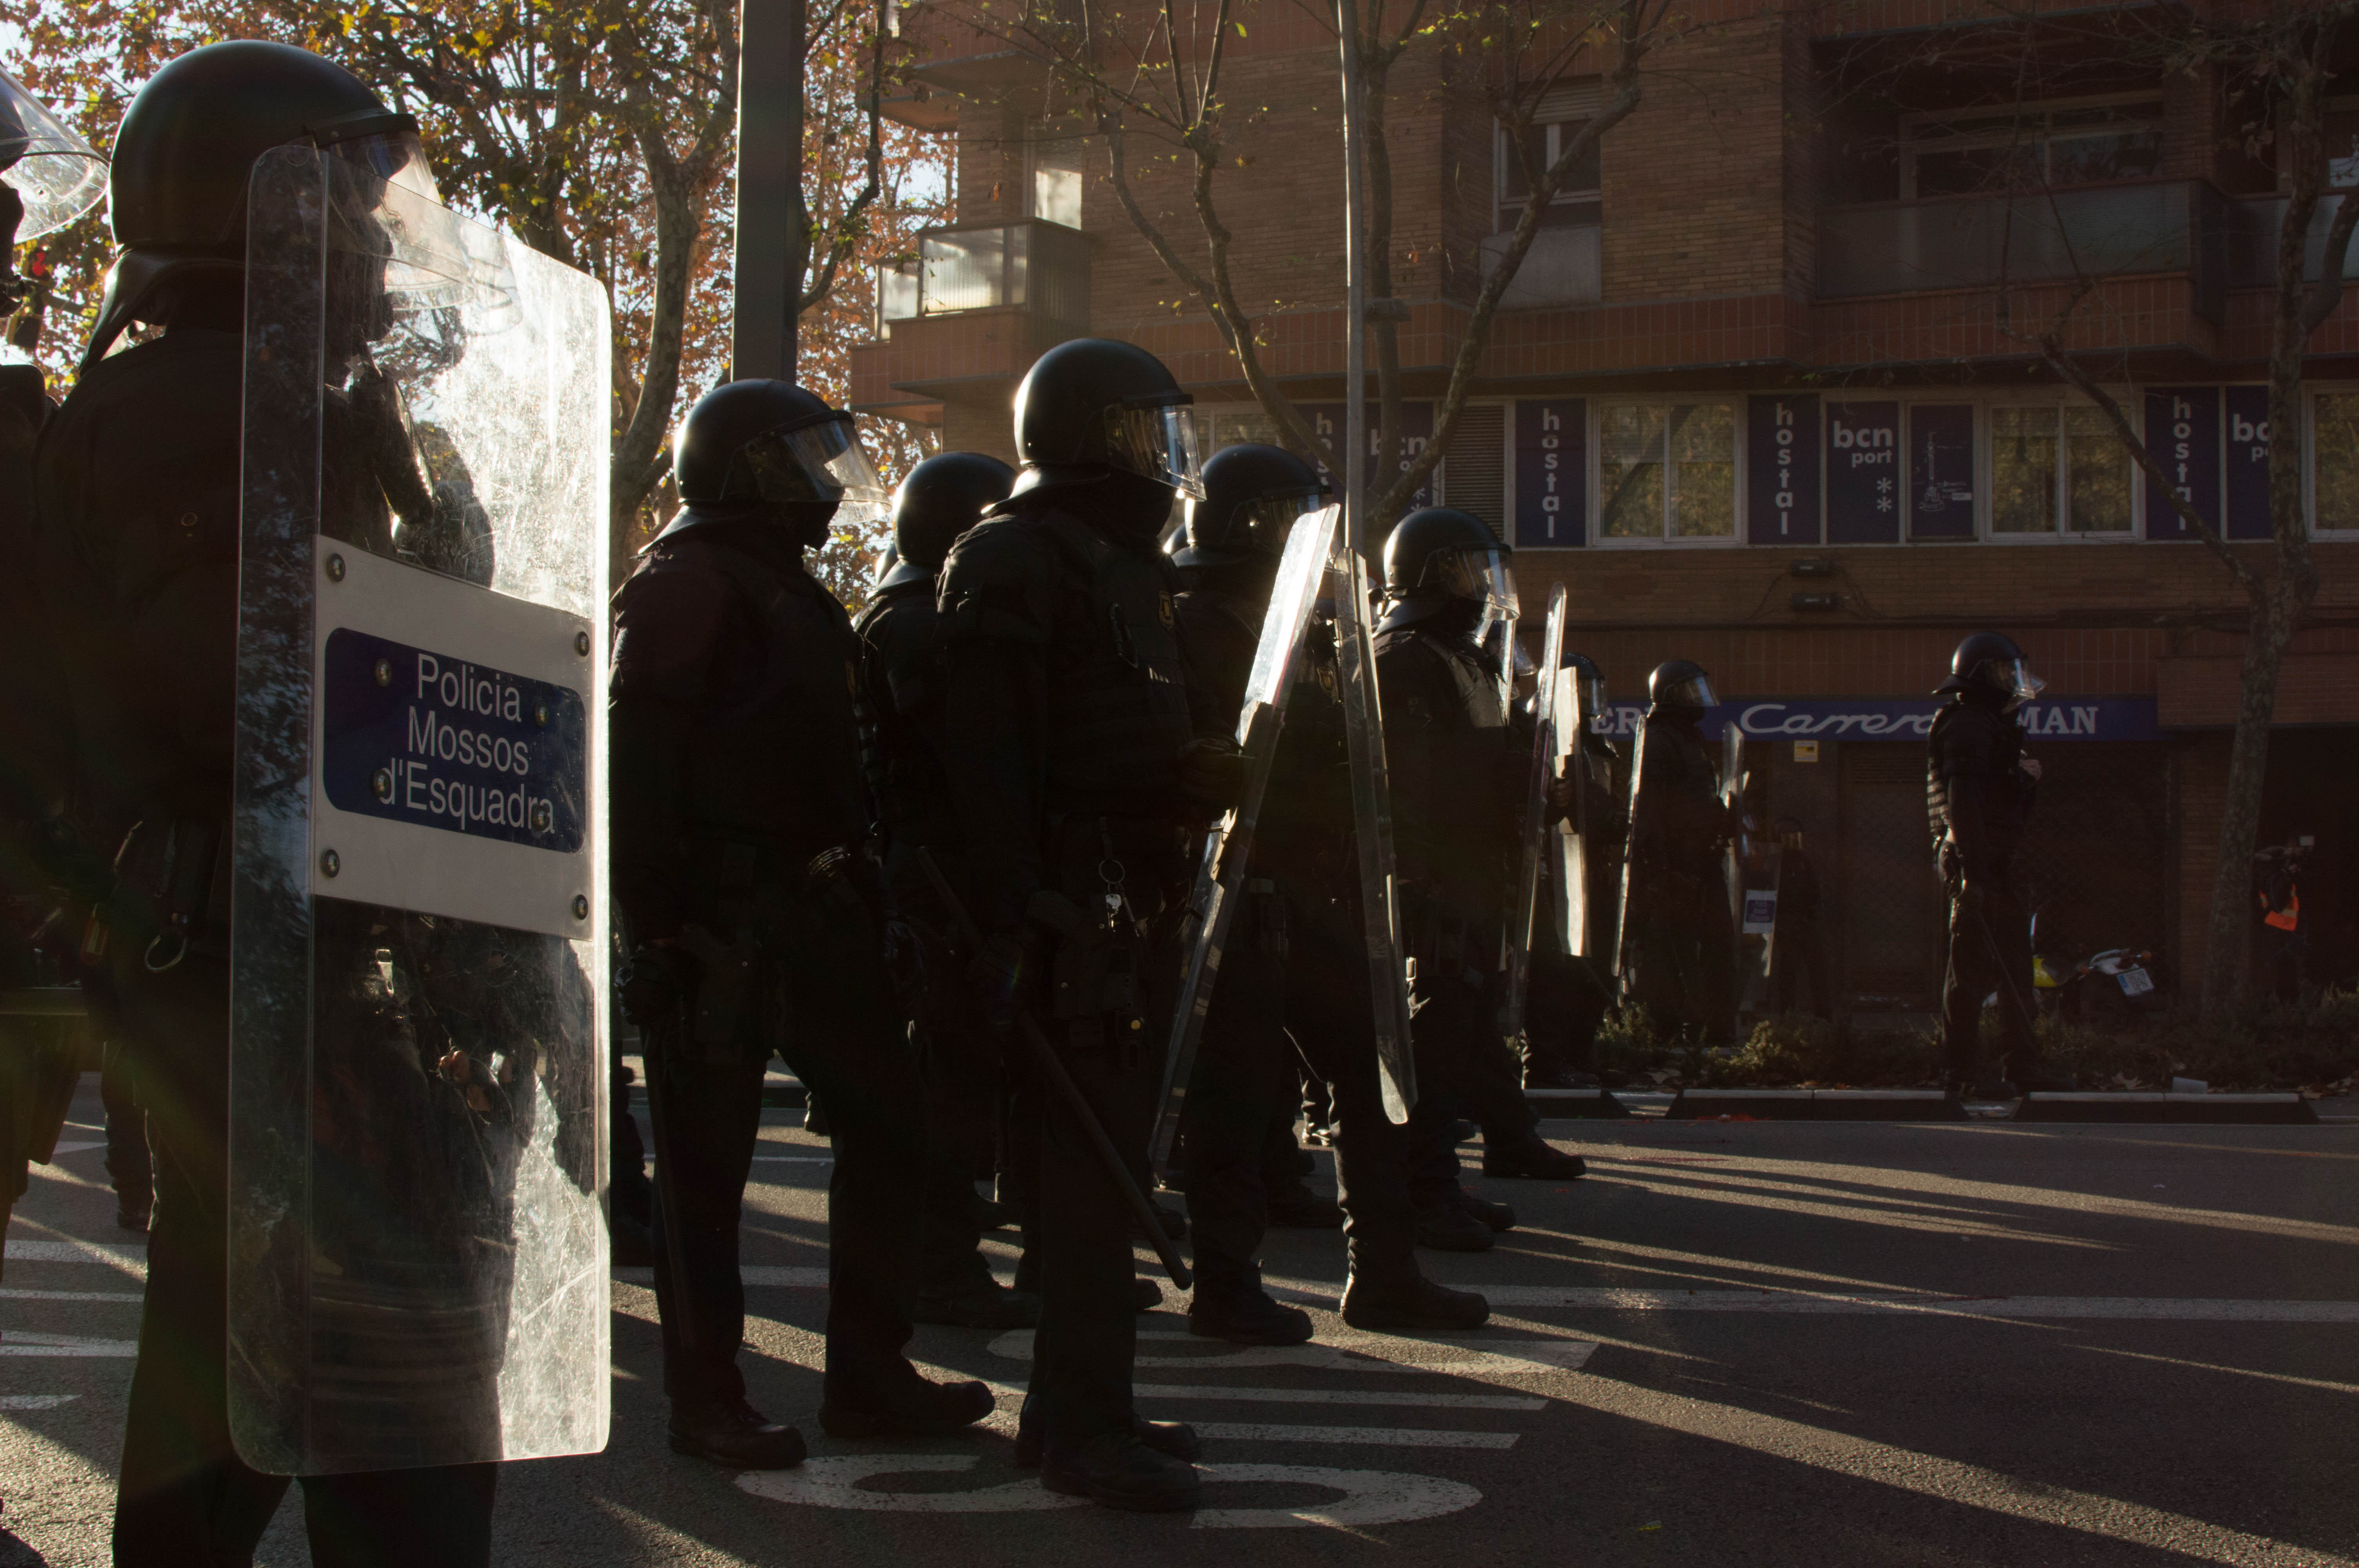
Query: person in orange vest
[[2285, 934]]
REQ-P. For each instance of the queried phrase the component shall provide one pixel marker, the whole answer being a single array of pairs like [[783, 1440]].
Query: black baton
[[1051, 1068]]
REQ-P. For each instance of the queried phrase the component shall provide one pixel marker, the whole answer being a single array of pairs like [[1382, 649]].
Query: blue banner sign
[[417, 737], [1551, 474], [1876, 718]]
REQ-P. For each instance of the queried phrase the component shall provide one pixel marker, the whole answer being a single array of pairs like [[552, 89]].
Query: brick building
[[1754, 399]]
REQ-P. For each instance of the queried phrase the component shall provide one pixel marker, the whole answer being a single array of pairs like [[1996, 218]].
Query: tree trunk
[[640, 456]]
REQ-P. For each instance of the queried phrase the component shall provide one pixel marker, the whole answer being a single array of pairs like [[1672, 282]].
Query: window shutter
[[1571, 101], [1475, 464]]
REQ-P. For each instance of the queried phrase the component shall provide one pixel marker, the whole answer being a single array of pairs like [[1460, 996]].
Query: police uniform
[[138, 496], [1979, 798], [737, 794], [1680, 946]]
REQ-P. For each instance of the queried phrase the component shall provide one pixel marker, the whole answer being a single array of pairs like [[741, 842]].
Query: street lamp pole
[[769, 259], [1356, 292]]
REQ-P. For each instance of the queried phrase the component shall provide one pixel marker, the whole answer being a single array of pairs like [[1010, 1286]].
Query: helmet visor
[[1595, 696], [813, 462], [2023, 686], [54, 172], [1263, 524], [1479, 575], [1693, 692], [1157, 443]]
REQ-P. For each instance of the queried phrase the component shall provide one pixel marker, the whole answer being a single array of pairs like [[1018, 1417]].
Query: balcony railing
[[2149, 226], [2252, 224], [1564, 266], [1039, 267]]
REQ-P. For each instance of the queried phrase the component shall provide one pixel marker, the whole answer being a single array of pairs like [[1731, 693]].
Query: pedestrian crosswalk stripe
[[2121, 1308], [35, 1401], [13, 1343], [1377, 1436], [134, 1258], [1335, 1397], [11, 1293], [1349, 1353]]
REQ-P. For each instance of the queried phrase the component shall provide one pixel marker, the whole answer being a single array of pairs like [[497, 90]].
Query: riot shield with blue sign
[[418, 928]]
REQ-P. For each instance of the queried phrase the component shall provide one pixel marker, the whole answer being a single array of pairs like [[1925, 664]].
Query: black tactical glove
[[992, 978], [1211, 770], [653, 985]]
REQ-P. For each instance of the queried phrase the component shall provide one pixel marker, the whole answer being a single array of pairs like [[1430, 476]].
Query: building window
[[2057, 470], [1575, 204], [2334, 461], [1667, 471], [2086, 141], [1055, 193]]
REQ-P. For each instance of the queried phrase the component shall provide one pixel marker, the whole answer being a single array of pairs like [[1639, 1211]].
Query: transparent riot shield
[[1732, 796], [1213, 908], [1372, 825], [1642, 832], [419, 924], [1524, 898], [1575, 922]]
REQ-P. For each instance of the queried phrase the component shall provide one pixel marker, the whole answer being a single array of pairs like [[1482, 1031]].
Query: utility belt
[[764, 899], [171, 897], [1113, 883]]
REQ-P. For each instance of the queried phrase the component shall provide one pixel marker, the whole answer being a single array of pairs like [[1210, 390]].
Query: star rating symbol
[[1883, 487], [1884, 504]]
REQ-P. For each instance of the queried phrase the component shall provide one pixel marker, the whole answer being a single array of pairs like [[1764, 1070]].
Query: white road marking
[[1377, 1436], [77, 1147], [1335, 1397], [133, 1259], [2118, 1308], [1353, 1353], [11, 1293], [833, 1482], [68, 1345], [1370, 1498], [2172, 1535], [794, 1159], [35, 1401]]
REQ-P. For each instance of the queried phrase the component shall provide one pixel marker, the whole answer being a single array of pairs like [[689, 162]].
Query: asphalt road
[[1733, 1343]]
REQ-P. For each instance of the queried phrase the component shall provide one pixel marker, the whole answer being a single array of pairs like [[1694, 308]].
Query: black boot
[[1299, 1208], [1247, 1319], [1448, 1227], [1497, 1216], [1534, 1158], [1120, 1471], [925, 1409], [1175, 1438], [735, 1434], [1410, 1304], [976, 1302]]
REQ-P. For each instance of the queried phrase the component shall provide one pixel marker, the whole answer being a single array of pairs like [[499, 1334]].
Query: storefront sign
[[2248, 462], [1863, 473], [1416, 430], [1551, 474], [1783, 498], [1872, 718], [1941, 470], [2182, 436]]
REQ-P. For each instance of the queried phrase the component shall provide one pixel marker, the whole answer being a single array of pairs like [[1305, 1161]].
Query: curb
[[1815, 1105], [2282, 1110], [1581, 1104]]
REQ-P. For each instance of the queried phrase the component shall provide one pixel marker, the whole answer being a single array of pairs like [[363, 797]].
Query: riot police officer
[[1678, 943], [758, 923], [1295, 965], [901, 681], [1979, 790], [1454, 791], [1570, 997], [138, 488], [1082, 760]]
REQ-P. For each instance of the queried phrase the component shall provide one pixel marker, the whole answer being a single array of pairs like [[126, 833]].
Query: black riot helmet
[[1252, 493], [1988, 666], [1592, 682], [1436, 556], [770, 449], [1679, 689], [941, 499], [187, 147], [1094, 405]]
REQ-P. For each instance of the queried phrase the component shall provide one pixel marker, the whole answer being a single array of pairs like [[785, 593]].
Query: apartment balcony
[[2106, 232], [1565, 266], [2252, 245], [969, 313]]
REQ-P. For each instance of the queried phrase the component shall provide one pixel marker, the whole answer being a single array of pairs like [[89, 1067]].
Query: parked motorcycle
[[2105, 989]]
